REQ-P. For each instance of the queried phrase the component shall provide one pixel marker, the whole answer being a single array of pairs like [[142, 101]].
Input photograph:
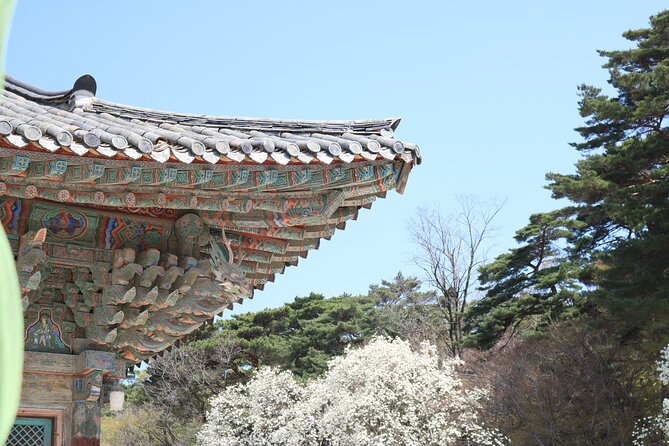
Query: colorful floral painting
[[64, 224], [133, 233]]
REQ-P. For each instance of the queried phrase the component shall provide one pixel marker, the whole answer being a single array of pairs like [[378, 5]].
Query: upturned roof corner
[[132, 227]]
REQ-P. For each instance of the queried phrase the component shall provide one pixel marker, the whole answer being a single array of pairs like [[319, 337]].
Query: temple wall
[[68, 389], [47, 391]]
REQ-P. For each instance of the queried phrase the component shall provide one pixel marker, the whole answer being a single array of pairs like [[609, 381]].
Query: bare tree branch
[[450, 250]]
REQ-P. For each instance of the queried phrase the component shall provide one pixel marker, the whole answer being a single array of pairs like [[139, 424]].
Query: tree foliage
[[535, 284], [406, 311], [305, 334]]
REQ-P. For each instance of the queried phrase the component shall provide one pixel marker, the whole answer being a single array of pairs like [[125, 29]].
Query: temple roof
[[76, 121], [133, 226], [275, 187]]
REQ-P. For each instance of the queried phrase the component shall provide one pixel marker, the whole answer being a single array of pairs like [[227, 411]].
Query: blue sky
[[487, 89]]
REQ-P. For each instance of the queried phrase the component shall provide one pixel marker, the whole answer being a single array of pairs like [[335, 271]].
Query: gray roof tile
[[77, 120]]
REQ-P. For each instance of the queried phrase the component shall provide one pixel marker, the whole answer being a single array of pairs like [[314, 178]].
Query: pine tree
[[614, 238], [305, 334], [529, 286], [621, 185]]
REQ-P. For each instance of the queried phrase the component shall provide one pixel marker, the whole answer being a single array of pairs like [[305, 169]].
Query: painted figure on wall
[[64, 224], [45, 335]]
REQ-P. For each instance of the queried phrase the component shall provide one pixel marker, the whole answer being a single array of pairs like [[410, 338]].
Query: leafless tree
[[573, 386], [183, 379], [174, 393], [450, 249]]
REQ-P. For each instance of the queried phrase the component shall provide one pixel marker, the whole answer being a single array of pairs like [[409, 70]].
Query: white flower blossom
[[382, 394], [249, 414], [658, 425]]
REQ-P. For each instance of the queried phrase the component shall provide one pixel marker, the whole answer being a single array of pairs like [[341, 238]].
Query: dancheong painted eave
[[132, 226]]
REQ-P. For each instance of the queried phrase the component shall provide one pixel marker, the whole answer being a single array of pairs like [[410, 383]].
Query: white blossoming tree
[[663, 368], [381, 394], [652, 428]]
